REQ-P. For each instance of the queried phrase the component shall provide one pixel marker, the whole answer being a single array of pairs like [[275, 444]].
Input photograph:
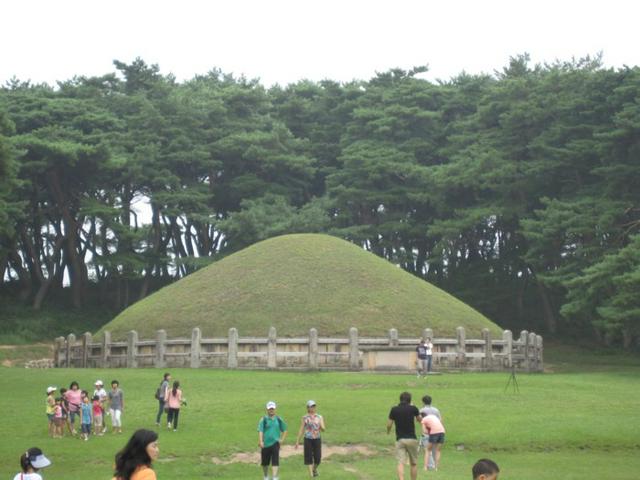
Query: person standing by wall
[[173, 399], [161, 394], [311, 425], [272, 430], [134, 461], [31, 462], [404, 415], [429, 347], [116, 406], [421, 360]]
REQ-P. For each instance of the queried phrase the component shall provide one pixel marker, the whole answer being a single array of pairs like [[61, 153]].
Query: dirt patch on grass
[[289, 451]]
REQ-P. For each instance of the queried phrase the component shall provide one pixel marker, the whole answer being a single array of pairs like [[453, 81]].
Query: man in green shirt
[[271, 433]]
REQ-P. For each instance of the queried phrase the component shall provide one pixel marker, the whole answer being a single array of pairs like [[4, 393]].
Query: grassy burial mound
[[296, 282]]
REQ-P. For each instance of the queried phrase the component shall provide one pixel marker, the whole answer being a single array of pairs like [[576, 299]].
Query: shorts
[[407, 448], [312, 451], [436, 438], [50, 417], [58, 421], [86, 428], [271, 455], [72, 416]]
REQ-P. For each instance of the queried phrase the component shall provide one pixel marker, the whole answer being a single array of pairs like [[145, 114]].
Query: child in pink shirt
[[433, 427]]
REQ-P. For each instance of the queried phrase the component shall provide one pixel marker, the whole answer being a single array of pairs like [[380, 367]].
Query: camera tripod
[[513, 381]]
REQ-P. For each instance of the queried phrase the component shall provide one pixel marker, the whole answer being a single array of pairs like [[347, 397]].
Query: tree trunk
[[547, 310], [77, 269]]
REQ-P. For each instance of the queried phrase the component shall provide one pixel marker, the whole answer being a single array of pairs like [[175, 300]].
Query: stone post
[[161, 348], [106, 349], [524, 342], [354, 352], [313, 349], [271, 349], [86, 345], [507, 336], [427, 333], [393, 337], [461, 347], [232, 348], [58, 352], [196, 336], [540, 358], [71, 341], [533, 353], [132, 349], [487, 363]]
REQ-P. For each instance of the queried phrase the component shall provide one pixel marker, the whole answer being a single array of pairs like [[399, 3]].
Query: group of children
[[63, 409]]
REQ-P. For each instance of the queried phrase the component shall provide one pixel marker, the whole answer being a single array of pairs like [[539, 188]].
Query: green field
[[579, 421]]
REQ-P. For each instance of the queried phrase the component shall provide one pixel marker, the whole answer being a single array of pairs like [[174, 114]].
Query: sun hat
[[37, 458], [99, 382], [311, 403], [51, 389], [271, 405]]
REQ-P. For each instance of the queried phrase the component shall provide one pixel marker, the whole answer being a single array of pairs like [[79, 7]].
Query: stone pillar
[[86, 345], [393, 337], [161, 348], [232, 348], [354, 352], [196, 336], [487, 362], [106, 349], [313, 349], [58, 352], [427, 333], [272, 358], [524, 342], [540, 356], [507, 337], [71, 341], [461, 347], [132, 349], [533, 353]]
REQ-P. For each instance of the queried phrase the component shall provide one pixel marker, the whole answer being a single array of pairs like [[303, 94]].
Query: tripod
[[512, 381]]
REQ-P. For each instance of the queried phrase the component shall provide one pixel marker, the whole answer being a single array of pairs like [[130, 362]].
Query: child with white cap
[[101, 393], [51, 408], [272, 430], [30, 463]]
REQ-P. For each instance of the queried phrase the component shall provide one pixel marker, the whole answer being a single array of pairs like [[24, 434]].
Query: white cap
[[311, 403], [98, 382], [37, 459], [271, 405], [51, 389]]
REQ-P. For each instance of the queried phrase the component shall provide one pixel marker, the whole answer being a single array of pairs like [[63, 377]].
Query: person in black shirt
[[404, 415]]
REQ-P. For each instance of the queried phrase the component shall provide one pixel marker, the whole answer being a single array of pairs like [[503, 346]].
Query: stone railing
[[312, 352]]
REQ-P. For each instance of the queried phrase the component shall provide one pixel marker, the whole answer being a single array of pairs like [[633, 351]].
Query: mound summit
[[296, 282]]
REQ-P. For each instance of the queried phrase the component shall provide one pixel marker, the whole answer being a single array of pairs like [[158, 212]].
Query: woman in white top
[[31, 461]]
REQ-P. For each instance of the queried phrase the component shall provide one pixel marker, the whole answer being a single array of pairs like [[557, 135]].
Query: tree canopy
[[517, 192]]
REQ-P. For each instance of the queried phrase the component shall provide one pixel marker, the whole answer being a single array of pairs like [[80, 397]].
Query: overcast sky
[[282, 41]]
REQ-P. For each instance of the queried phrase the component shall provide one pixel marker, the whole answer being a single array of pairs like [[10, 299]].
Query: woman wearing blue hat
[[31, 462]]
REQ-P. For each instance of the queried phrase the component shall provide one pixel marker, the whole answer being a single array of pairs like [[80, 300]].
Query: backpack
[[158, 393], [264, 422]]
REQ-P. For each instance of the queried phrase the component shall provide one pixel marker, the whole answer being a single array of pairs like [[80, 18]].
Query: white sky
[[282, 41]]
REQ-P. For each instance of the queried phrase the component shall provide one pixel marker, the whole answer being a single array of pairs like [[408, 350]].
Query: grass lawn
[[578, 422]]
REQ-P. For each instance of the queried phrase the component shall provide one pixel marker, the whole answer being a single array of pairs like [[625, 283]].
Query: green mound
[[296, 282]]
